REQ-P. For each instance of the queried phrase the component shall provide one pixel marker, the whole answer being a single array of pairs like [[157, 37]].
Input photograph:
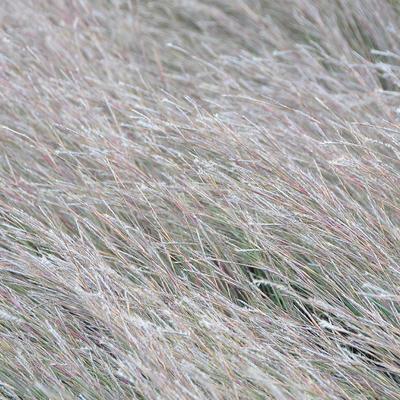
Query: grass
[[199, 199]]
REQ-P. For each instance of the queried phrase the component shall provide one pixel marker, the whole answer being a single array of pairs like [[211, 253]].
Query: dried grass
[[199, 199]]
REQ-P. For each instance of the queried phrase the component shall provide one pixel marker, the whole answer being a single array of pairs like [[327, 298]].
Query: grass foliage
[[199, 199]]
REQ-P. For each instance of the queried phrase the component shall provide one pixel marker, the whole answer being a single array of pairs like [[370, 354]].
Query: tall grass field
[[199, 199]]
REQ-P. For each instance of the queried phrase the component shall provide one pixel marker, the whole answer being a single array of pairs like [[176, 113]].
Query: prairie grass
[[199, 199]]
